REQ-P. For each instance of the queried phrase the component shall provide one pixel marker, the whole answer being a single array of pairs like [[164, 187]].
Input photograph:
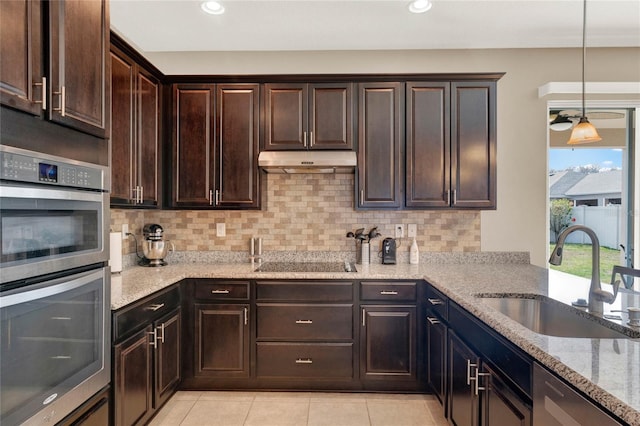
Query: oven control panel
[[29, 167]]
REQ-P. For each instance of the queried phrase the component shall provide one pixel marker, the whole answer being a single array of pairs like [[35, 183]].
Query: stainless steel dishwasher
[[557, 404]]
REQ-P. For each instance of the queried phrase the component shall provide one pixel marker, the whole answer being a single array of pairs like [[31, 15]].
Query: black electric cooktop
[[306, 267]]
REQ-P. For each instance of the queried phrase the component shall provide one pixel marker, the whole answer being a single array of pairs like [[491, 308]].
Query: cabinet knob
[[435, 301], [389, 293], [304, 361], [246, 316], [433, 320], [304, 321], [219, 291]]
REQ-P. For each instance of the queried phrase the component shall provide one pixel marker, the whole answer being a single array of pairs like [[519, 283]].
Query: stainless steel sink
[[547, 316]]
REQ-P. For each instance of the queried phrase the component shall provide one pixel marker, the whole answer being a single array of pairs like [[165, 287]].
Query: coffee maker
[[154, 247], [389, 251]]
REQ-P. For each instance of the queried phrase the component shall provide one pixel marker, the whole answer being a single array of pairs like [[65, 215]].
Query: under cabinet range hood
[[308, 161]]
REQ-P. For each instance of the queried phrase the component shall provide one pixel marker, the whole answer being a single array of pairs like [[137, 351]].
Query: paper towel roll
[[115, 251]]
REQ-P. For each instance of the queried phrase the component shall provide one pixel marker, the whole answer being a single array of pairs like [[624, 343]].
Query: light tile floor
[[298, 409]]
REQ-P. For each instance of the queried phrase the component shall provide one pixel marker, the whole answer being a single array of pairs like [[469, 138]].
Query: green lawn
[[576, 260]]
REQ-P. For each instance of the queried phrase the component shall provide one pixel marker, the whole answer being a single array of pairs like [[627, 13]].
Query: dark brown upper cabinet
[[73, 91], [451, 145], [380, 145], [215, 146], [237, 145], [473, 144], [79, 64], [308, 116], [428, 147], [135, 133], [21, 71]]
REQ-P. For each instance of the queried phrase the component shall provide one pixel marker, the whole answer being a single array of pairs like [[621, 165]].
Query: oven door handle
[[50, 288]]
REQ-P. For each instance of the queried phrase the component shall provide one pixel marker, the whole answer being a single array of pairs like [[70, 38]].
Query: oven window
[[49, 345], [37, 232]]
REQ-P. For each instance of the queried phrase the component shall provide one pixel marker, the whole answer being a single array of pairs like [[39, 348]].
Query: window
[[599, 180]]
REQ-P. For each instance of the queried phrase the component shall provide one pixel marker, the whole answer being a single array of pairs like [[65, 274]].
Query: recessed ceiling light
[[212, 7], [420, 6]]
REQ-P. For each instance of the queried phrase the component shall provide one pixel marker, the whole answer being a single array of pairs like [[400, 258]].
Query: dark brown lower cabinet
[[436, 356], [463, 402], [388, 342], [501, 406], [132, 379], [168, 365], [222, 340], [147, 369]]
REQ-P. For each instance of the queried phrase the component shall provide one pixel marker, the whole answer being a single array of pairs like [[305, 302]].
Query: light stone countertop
[[608, 370]]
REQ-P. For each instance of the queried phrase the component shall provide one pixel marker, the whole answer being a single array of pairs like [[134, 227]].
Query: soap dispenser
[[414, 254]]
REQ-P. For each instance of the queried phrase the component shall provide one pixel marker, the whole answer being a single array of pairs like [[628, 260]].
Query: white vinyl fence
[[604, 220]]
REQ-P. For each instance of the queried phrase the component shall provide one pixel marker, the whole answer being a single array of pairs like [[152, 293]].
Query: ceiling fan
[[560, 120]]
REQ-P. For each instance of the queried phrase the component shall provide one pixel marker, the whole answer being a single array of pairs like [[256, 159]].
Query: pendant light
[[584, 132]]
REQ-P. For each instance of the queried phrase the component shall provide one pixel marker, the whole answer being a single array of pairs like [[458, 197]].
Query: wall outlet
[[399, 230], [125, 231], [221, 230], [412, 230]]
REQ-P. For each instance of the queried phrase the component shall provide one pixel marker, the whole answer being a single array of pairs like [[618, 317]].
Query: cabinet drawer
[[222, 290], [437, 302], [388, 290], [305, 360], [132, 318], [305, 291], [304, 321]]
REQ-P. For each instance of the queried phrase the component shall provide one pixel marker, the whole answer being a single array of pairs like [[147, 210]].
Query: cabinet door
[[473, 142], [237, 145], [285, 116], [79, 40], [21, 73], [167, 357], [501, 406], [147, 138], [437, 356], [463, 403], [133, 378], [380, 145], [122, 130], [388, 342], [193, 148], [330, 116], [222, 340], [428, 145]]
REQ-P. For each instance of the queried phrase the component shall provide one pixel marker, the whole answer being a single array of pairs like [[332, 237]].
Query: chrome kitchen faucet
[[596, 294]]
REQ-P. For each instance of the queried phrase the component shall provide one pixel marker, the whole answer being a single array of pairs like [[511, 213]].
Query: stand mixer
[[154, 247]]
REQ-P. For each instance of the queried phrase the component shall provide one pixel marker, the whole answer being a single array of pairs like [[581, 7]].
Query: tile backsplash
[[311, 212]]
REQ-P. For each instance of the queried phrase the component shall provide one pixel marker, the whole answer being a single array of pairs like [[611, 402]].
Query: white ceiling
[[269, 25]]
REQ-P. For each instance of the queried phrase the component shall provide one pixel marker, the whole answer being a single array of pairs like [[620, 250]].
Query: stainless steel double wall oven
[[54, 285]]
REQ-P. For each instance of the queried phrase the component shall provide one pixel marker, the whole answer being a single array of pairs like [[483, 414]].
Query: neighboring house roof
[[598, 183], [561, 182]]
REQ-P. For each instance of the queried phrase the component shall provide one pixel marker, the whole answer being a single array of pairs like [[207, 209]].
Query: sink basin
[[547, 316]]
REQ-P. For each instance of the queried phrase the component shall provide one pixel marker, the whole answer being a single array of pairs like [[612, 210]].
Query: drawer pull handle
[[433, 320], [304, 361], [154, 307], [389, 292], [304, 321], [436, 301], [219, 291]]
